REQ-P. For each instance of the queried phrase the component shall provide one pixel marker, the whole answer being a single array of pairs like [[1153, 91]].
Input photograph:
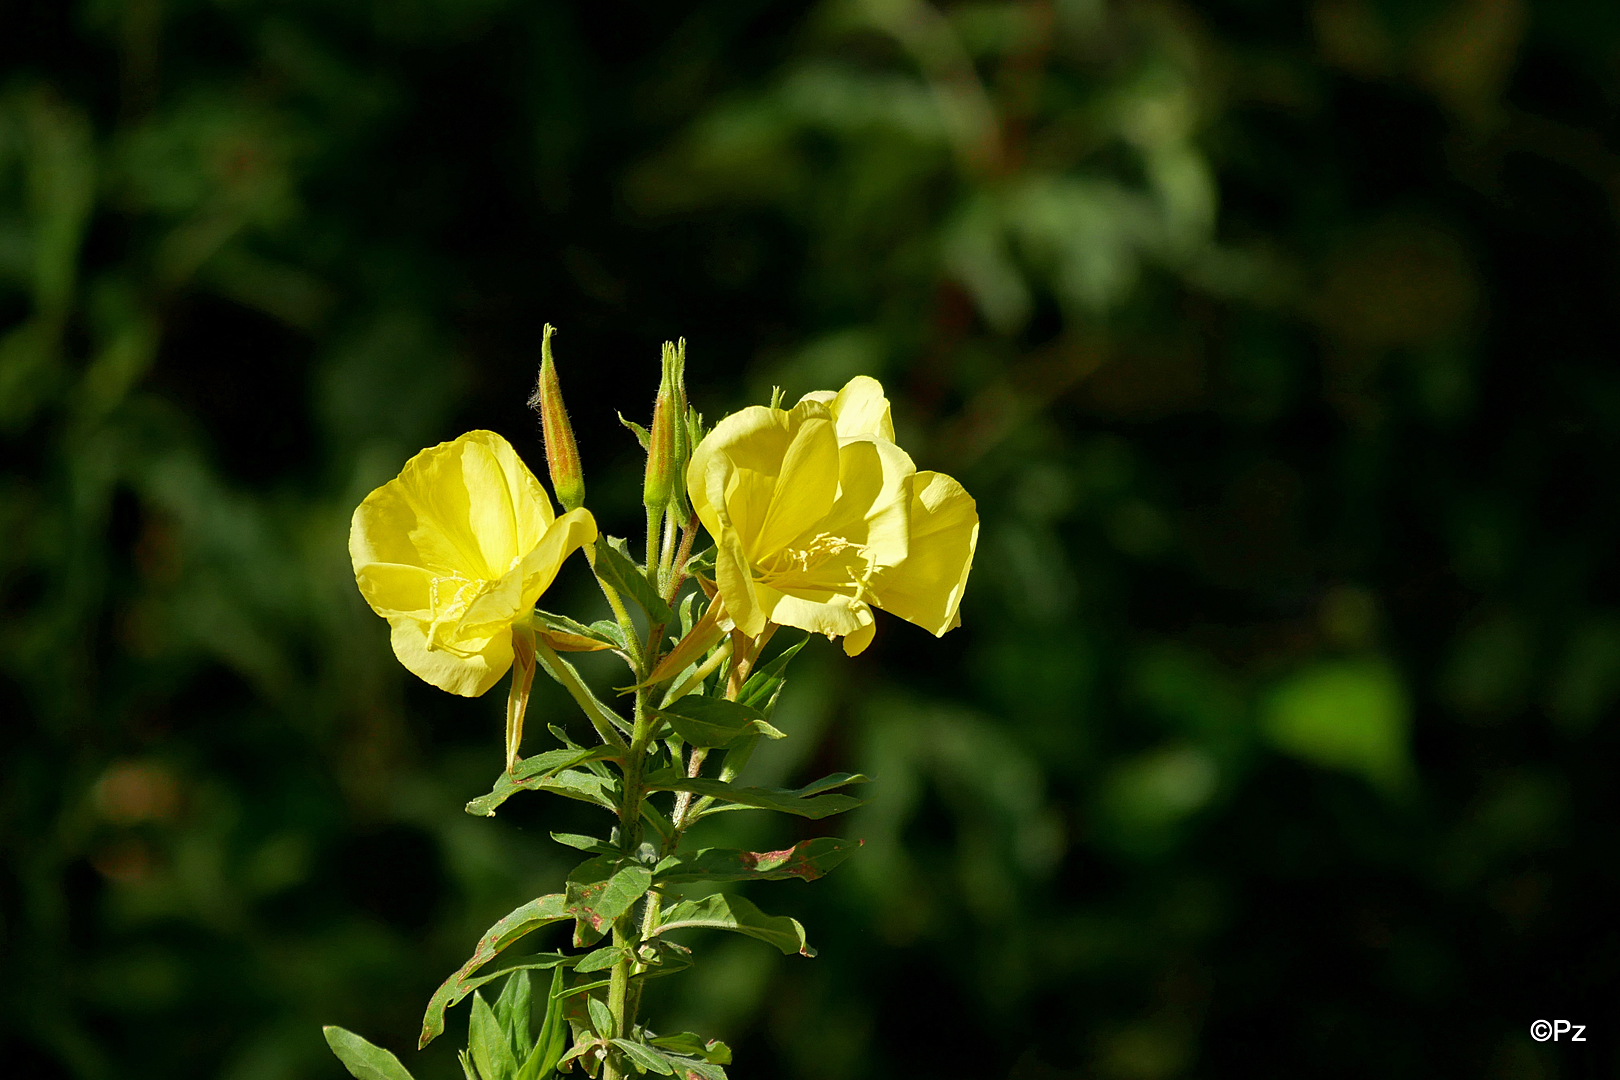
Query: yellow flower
[[455, 551], [818, 517]]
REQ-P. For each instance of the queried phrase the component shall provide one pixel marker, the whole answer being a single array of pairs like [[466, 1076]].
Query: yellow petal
[[565, 536], [466, 507], [861, 409], [467, 675], [819, 612], [855, 643], [805, 487], [736, 582], [874, 499], [926, 587]]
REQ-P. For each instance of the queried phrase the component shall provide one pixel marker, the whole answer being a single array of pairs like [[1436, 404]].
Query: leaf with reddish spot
[[806, 860], [599, 891]]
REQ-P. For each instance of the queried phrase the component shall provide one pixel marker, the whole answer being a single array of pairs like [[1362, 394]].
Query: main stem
[[621, 1003]]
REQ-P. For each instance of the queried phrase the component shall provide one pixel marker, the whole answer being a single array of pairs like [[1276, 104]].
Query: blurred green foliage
[[1275, 340]]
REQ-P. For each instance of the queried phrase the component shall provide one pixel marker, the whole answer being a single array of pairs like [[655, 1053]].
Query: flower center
[[827, 562]]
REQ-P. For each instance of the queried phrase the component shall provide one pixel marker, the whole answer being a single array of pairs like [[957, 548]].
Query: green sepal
[[642, 435], [707, 721], [645, 1058], [806, 860], [599, 891], [615, 566], [719, 911], [534, 774], [522, 921], [701, 563], [803, 802], [488, 1043], [364, 1060]]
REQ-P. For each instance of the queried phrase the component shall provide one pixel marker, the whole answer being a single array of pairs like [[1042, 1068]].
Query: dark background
[[1276, 341]]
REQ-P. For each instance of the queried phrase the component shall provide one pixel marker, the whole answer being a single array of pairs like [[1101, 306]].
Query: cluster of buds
[[676, 429]]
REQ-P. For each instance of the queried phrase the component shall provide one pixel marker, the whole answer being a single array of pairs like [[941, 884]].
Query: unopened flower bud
[[683, 436], [661, 473], [562, 454]]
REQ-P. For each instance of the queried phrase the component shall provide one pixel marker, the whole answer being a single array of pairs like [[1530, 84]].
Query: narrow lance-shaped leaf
[[806, 860], [712, 1051], [526, 919], [553, 1038], [721, 912], [490, 1048], [607, 723], [536, 774], [364, 1060], [614, 566], [803, 802], [512, 1011], [645, 1057]]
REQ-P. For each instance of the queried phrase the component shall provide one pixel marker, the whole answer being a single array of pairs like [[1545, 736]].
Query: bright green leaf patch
[[599, 891]]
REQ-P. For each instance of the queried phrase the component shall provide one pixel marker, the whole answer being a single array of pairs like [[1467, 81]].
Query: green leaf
[[553, 1039], [806, 860], [512, 1011], [614, 566], [364, 1060], [601, 959], [599, 891], [721, 912], [585, 843], [657, 819], [707, 721], [763, 684], [645, 1058], [491, 1051], [687, 1069], [524, 920], [467, 1069], [798, 802], [601, 1018], [535, 774]]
